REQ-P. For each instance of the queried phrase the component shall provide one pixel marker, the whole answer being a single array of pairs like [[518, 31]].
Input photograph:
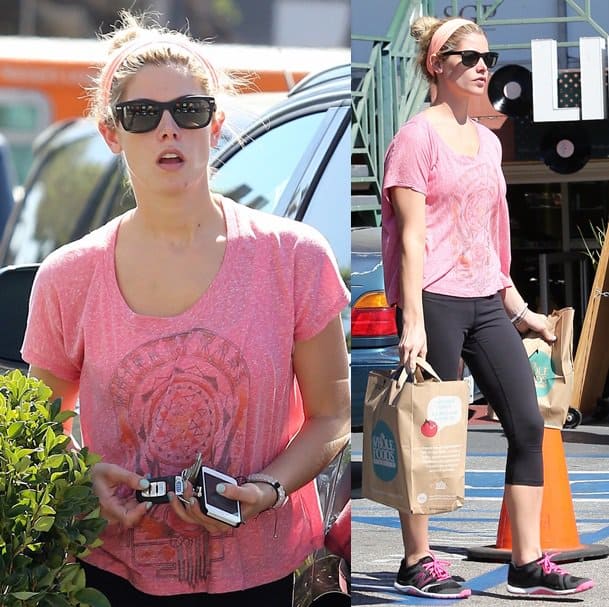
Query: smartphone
[[215, 505]]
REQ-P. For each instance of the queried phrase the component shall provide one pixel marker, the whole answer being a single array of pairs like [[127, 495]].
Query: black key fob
[[159, 488]]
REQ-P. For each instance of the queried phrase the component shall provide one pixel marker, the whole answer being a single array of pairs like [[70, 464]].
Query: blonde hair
[[138, 41], [423, 29]]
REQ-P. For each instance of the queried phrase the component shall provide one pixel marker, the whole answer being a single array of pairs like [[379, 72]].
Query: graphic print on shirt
[[474, 216], [173, 397]]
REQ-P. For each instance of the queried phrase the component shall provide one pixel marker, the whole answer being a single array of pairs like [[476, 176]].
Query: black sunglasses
[[471, 58], [144, 115]]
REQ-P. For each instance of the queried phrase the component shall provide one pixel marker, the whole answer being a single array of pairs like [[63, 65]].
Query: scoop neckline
[[437, 135], [231, 229]]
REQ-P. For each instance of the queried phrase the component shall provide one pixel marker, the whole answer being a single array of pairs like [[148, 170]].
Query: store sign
[[593, 56]]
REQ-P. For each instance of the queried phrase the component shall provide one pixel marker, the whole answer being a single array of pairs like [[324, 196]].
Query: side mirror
[[15, 287]]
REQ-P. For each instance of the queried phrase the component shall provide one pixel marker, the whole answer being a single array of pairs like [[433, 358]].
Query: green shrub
[[48, 511]]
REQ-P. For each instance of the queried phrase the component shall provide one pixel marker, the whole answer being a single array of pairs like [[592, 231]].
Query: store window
[[555, 234]]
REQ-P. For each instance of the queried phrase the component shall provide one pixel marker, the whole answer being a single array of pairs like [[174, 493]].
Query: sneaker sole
[[414, 591], [542, 590]]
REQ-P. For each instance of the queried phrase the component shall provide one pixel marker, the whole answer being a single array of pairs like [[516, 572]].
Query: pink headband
[[441, 35], [137, 45]]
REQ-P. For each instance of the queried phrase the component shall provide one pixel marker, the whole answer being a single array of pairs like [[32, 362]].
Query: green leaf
[[92, 597], [15, 429], [77, 492], [56, 600], [24, 596], [62, 416], [54, 461], [44, 523], [49, 440]]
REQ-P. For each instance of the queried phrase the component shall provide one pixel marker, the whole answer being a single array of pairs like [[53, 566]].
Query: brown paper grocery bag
[[552, 366], [415, 441]]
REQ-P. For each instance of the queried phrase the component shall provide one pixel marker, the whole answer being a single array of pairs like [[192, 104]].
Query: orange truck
[[43, 80]]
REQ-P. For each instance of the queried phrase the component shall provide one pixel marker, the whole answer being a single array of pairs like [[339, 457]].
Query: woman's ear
[[436, 64], [110, 135], [216, 127]]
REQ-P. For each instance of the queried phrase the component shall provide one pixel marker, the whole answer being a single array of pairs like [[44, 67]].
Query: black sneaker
[[544, 577], [430, 579]]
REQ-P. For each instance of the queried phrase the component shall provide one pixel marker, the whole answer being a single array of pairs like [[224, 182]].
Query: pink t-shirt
[[217, 378], [467, 231]]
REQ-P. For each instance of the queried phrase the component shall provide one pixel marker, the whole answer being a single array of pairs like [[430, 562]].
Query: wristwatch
[[282, 498]]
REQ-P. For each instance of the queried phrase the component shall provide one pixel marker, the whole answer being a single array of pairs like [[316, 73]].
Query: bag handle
[[403, 375]]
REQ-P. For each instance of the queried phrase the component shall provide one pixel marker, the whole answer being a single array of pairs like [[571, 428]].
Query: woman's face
[[168, 159], [470, 80]]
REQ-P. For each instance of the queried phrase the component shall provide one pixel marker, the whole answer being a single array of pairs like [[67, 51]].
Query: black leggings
[[121, 593], [478, 330]]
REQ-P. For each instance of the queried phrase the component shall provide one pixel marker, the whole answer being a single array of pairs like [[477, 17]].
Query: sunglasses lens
[[470, 58], [192, 113], [140, 117], [490, 59]]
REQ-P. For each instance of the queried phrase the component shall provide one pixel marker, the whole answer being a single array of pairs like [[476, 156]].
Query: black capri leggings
[[479, 330], [121, 593]]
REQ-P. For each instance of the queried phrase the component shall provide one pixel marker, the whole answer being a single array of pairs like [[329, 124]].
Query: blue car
[[374, 339]]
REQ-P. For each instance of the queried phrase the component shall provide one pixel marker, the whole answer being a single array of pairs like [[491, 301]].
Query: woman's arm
[[409, 209], [525, 319], [322, 370], [107, 478], [321, 367]]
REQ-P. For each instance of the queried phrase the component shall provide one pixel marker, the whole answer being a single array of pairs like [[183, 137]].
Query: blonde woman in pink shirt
[[189, 325], [446, 253]]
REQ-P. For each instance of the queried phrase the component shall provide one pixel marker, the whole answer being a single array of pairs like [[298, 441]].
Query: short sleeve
[[319, 291], [408, 161], [502, 240], [47, 342]]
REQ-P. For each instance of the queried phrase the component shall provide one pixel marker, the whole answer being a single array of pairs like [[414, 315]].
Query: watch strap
[[273, 482]]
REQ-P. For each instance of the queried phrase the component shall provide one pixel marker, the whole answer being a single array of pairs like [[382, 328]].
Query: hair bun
[[422, 26]]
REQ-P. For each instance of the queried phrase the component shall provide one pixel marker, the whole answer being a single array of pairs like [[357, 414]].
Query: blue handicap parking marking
[[585, 485]]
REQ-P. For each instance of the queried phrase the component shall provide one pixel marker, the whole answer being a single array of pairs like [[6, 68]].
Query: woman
[[446, 259], [188, 325]]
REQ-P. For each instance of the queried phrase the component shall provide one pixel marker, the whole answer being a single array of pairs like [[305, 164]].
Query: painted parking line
[[481, 485], [585, 485], [480, 583]]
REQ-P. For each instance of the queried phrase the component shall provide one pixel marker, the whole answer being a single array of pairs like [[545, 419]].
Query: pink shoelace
[[437, 569], [550, 566]]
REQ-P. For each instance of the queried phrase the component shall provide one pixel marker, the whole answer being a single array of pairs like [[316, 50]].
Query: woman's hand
[[413, 343], [114, 486], [254, 498], [538, 323]]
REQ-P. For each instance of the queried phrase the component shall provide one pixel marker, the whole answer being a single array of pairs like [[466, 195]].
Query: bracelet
[[282, 498], [520, 316]]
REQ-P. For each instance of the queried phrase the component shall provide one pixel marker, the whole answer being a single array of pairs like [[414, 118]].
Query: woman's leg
[[497, 359], [420, 574], [445, 320]]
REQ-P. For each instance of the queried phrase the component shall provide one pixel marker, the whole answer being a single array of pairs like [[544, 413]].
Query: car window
[[56, 199], [116, 200], [328, 210], [257, 174]]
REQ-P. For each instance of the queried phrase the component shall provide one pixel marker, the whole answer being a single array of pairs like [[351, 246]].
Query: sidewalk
[[377, 546]]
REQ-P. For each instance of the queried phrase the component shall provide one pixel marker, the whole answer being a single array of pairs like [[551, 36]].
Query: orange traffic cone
[[558, 527]]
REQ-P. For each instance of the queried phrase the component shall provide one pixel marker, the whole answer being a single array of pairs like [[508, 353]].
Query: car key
[[191, 474], [159, 488]]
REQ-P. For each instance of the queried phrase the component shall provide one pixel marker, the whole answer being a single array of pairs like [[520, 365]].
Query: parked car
[[374, 338], [7, 180], [292, 161]]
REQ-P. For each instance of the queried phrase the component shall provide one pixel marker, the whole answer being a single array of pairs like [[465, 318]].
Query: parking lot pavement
[[377, 546]]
